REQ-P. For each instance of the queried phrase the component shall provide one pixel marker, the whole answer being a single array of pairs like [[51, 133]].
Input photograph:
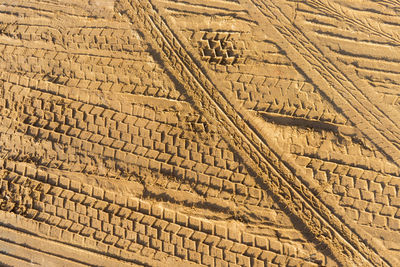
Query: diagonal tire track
[[286, 187]]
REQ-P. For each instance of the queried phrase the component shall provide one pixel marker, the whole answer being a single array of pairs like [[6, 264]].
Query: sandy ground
[[191, 133]]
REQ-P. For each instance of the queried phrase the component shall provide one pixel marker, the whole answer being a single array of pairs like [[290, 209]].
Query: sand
[[199, 133]]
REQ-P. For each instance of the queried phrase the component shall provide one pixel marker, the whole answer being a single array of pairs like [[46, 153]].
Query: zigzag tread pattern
[[132, 131], [119, 226]]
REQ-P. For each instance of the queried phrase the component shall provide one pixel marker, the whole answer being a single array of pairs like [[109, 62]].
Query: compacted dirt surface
[[199, 133]]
